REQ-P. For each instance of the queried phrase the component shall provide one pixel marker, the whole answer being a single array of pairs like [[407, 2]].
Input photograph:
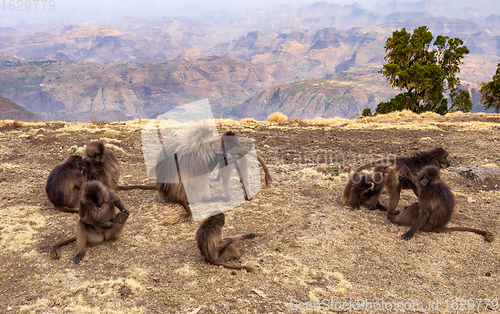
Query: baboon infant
[[217, 250], [365, 188]]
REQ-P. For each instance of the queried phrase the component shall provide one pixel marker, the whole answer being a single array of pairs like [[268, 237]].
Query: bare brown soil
[[311, 246]]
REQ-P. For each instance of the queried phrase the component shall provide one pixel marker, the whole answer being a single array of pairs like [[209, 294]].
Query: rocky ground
[[311, 247]]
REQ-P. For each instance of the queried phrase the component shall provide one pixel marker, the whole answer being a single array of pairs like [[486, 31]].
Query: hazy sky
[[109, 9]]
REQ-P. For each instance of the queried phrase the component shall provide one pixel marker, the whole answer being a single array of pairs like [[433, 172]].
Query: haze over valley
[[304, 60]]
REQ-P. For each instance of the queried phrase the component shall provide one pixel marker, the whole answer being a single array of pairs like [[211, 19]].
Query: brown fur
[[101, 164], [217, 250], [63, 184], [409, 166], [365, 189], [434, 208], [98, 219], [197, 158]]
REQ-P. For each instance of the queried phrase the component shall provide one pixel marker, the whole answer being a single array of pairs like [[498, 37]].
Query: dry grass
[[20, 226], [248, 121], [277, 117], [310, 246], [428, 114]]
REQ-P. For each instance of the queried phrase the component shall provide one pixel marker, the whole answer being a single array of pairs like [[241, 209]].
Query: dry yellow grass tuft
[[474, 126], [454, 114], [138, 273], [80, 126], [226, 122], [277, 117], [311, 174], [342, 286], [9, 166], [186, 271], [403, 114], [110, 140], [40, 304], [428, 114], [397, 115], [330, 121], [248, 121], [76, 294], [115, 148]]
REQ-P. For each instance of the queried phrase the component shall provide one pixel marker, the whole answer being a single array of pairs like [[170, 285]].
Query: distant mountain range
[[243, 62], [75, 91]]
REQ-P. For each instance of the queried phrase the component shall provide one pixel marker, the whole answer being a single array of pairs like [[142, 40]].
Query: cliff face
[[78, 92], [316, 98]]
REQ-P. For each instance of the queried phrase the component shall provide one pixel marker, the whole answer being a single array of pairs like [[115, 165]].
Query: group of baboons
[[421, 173], [87, 185]]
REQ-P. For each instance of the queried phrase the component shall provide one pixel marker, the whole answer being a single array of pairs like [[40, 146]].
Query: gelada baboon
[[365, 188], [193, 155], [434, 207], [98, 219], [217, 250], [63, 184], [101, 164], [409, 166]]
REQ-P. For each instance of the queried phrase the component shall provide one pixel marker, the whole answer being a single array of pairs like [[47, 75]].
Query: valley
[[247, 65]]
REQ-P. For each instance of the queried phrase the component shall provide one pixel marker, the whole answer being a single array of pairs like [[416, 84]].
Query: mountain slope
[[12, 111], [74, 91], [317, 98]]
